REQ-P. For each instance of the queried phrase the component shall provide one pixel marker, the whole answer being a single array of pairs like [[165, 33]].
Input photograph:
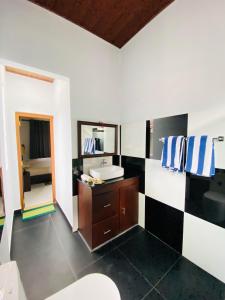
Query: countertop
[[110, 181]]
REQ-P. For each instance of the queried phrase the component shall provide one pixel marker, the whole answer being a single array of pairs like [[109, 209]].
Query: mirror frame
[[80, 123]]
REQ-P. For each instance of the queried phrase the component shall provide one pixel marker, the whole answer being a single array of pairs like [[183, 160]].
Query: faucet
[[103, 162]]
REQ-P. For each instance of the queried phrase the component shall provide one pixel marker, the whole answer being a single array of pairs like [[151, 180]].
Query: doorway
[[36, 160]]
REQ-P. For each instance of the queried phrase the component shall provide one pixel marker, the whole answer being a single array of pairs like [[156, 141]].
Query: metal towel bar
[[215, 139]]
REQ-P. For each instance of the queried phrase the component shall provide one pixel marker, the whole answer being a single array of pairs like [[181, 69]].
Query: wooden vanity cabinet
[[107, 210], [128, 194]]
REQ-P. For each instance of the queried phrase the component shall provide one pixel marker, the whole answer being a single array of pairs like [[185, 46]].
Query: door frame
[[2, 190], [50, 118]]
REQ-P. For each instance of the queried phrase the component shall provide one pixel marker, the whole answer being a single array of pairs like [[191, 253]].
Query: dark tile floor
[[50, 257]]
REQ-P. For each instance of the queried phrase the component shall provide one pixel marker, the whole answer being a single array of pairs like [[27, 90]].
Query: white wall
[[176, 64], [22, 94], [6, 174], [133, 136], [210, 121], [63, 147], [36, 37], [171, 66]]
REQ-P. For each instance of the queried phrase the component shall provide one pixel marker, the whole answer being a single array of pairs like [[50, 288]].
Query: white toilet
[[91, 287]]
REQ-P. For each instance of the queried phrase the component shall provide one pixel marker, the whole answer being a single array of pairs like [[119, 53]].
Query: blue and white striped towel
[[172, 153], [200, 156], [89, 145]]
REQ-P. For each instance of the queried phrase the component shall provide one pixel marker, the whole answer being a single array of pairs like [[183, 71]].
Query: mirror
[[96, 139], [2, 206]]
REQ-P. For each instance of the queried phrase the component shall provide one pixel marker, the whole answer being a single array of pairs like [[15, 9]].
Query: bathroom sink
[[108, 172]]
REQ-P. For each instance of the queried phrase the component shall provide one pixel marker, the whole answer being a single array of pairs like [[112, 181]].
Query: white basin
[[108, 172]]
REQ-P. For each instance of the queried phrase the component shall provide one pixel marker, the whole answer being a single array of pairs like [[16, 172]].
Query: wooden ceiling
[[116, 21]]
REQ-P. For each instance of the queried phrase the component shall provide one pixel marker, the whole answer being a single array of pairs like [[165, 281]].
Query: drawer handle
[[108, 231], [107, 205]]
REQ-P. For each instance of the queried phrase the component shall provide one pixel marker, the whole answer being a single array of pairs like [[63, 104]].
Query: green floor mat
[[37, 212], [2, 221]]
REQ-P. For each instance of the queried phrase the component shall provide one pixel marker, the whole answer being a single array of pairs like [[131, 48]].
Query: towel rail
[[215, 139]]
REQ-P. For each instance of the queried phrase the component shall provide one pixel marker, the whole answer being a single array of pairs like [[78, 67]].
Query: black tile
[[134, 166], [127, 235], [187, 281], [50, 256], [33, 239], [165, 222], [75, 185], [116, 160], [77, 167], [205, 197], [43, 266], [147, 143], [60, 217], [154, 295], [19, 224], [149, 255], [131, 285], [174, 125], [76, 251], [45, 272], [79, 255]]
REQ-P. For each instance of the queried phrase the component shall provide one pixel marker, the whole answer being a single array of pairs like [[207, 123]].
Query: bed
[[36, 171]]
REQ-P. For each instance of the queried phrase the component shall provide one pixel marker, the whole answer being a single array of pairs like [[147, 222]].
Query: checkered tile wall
[[173, 206]]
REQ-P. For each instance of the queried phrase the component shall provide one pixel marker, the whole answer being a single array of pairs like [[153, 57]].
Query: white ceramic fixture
[[11, 287], [91, 287], [108, 172]]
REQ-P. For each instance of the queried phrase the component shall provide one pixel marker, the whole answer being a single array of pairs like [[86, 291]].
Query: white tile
[[141, 210], [133, 137], [210, 122], [204, 245], [95, 162], [163, 185]]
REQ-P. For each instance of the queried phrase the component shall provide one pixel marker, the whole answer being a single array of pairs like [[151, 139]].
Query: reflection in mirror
[[96, 139], [36, 162], [2, 206]]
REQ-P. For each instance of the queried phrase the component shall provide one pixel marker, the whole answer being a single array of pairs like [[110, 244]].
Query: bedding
[[34, 171]]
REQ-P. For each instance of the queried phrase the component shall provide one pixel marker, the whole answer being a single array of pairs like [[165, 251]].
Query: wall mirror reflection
[[2, 206], [36, 165], [96, 139]]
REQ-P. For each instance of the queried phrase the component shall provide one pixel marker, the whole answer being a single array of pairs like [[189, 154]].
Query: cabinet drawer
[[105, 205], [104, 231]]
